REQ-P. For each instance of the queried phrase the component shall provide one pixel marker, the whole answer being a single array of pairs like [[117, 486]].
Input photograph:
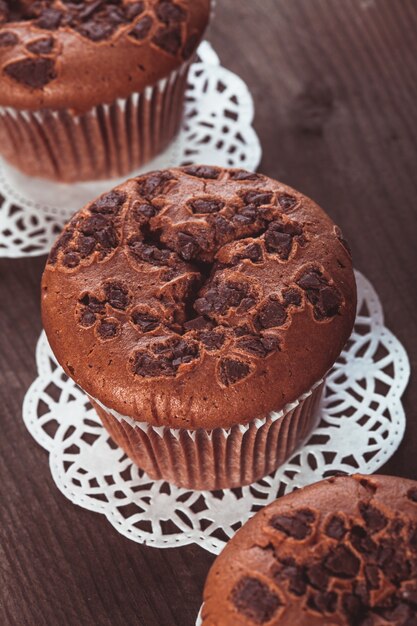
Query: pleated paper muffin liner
[[215, 459], [108, 141]]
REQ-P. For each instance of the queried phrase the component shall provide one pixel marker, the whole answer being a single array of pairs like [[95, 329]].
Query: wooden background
[[335, 87]]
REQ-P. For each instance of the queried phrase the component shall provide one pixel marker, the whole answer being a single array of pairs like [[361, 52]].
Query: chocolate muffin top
[[77, 54], [199, 297], [342, 552]]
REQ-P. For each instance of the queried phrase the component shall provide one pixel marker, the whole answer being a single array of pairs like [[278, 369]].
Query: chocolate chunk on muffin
[[342, 551], [223, 307], [93, 89]]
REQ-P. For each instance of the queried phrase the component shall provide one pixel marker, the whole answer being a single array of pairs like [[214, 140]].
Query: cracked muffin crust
[[342, 552], [198, 297], [72, 54]]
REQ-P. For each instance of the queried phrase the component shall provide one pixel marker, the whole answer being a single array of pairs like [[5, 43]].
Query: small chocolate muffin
[[199, 299], [93, 89], [342, 552]]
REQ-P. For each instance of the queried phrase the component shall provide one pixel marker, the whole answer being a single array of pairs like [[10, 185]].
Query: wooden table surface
[[335, 87]]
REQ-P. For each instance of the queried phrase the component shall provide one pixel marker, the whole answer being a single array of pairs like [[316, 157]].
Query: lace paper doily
[[217, 130], [362, 424]]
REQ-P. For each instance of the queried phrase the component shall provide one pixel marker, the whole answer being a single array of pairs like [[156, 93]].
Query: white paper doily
[[217, 130], [362, 425]]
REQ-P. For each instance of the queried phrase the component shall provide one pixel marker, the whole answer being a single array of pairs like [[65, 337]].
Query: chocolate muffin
[[93, 89], [200, 308], [342, 552]]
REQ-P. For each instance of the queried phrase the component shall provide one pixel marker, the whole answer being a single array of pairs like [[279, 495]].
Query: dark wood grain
[[335, 86]]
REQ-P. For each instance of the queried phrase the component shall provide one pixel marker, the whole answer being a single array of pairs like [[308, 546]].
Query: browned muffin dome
[[199, 297], [342, 552], [72, 54]]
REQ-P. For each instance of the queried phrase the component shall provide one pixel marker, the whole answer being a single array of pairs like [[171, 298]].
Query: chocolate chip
[[87, 318], [117, 296], [253, 252], [151, 366], [184, 352], [220, 298], [89, 9], [253, 345], [143, 212], [113, 14], [328, 303], [202, 171], [392, 560], [109, 203], [232, 371], [325, 298], [257, 197], [298, 526], [35, 73], [40, 46], [145, 321], [96, 31], [212, 339], [102, 229], [335, 528], [295, 575], [279, 237], [168, 39], [149, 254], [107, 237], [342, 562], [86, 245], [7, 38], [94, 223], [223, 228], [59, 245], [205, 205], [271, 342], [154, 184], [374, 519], [412, 494], [142, 28], [279, 242], [361, 541], [247, 215], [107, 329], [240, 331], [49, 19], [134, 9], [198, 323], [167, 358], [243, 175], [246, 304], [92, 303], [317, 576], [272, 314], [255, 600], [372, 576], [311, 280], [353, 607], [396, 526], [286, 201], [291, 297], [168, 12], [188, 246], [71, 259], [323, 602]]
